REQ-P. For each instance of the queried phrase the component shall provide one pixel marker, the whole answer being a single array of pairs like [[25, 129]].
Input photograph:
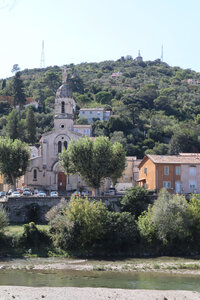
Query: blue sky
[[76, 31]]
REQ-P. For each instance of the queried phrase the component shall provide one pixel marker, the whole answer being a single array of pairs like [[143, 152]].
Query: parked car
[[27, 193], [54, 194], [10, 191], [41, 194], [15, 194], [2, 194], [112, 191], [85, 193]]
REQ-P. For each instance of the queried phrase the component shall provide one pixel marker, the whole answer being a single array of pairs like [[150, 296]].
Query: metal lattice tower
[[161, 58], [42, 61]]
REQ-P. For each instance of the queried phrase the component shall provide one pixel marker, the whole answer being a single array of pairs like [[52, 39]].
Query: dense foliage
[[155, 108], [14, 158], [94, 160]]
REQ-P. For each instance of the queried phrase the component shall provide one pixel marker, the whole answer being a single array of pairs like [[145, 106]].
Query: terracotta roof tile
[[189, 158]]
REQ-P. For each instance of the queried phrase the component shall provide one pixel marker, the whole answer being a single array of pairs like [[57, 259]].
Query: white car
[[54, 194], [41, 194], [15, 194]]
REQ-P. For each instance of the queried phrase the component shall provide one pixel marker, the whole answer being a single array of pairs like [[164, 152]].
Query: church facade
[[44, 172]]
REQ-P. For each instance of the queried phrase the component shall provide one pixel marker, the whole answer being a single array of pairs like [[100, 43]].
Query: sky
[[76, 31]]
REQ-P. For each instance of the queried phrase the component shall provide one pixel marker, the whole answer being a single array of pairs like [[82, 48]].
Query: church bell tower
[[64, 106]]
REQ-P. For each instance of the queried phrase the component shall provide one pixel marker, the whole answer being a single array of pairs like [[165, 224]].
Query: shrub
[[3, 219], [121, 232], [33, 237], [168, 219], [135, 200], [79, 224]]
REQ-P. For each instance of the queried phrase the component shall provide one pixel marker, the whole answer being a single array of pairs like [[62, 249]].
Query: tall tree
[[94, 160], [12, 124], [18, 91], [14, 157], [30, 126]]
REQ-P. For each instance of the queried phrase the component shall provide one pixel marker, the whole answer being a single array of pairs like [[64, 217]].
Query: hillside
[[156, 107]]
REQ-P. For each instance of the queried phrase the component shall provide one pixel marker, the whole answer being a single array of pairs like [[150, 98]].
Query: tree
[[12, 124], [18, 91], [30, 126], [135, 200], [103, 97], [168, 219], [15, 68], [14, 157], [94, 160], [79, 224]]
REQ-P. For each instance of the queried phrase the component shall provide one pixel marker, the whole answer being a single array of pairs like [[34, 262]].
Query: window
[[34, 174], [62, 107], [167, 184], [192, 184], [85, 130], [178, 170], [59, 147], [166, 170], [192, 171], [65, 144], [90, 112], [145, 171]]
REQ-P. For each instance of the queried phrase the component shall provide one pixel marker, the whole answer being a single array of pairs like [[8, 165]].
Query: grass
[[17, 230]]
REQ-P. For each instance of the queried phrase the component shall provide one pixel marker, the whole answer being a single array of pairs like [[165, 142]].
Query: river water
[[108, 279]]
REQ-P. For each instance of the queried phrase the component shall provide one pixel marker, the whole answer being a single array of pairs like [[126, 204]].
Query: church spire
[[65, 74]]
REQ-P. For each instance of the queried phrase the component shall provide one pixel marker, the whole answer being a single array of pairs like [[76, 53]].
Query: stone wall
[[27, 209]]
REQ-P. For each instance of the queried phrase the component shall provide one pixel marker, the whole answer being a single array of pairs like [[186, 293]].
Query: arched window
[[59, 147], [34, 174], [62, 107], [65, 144]]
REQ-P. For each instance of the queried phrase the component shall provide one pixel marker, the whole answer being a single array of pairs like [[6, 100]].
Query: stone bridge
[[27, 209]]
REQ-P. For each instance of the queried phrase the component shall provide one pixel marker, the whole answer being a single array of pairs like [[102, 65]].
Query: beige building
[[95, 113], [44, 171], [131, 174]]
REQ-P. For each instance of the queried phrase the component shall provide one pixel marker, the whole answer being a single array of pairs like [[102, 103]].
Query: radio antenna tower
[[161, 58], [42, 61]]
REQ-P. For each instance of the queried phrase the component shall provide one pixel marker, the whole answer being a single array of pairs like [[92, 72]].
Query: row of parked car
[[27, 192]]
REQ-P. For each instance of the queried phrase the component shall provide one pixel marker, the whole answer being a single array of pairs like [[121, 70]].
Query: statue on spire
[[65, 74]]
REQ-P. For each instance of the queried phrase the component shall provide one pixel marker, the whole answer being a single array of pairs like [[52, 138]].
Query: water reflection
[[125, 280]]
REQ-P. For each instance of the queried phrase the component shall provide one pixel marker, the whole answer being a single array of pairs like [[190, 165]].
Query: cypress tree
[[18, 91], [30, 126]]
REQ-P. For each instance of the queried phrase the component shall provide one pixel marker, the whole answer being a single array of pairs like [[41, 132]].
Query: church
[[44, 172]]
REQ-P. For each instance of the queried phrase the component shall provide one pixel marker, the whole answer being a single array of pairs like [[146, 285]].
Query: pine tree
[[30, 126], [18, 91]]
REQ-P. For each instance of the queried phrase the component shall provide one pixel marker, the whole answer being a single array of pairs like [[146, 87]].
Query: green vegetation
[[135, 200], [94, 160], [3, 219], [156, 110], [81, 227], [14, 156]]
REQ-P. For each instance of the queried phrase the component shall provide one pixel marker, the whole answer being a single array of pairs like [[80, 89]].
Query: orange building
[[158, 171]]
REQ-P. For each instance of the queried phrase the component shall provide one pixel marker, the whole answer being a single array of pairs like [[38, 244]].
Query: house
[[95, 113], [83, 129], [177, 173], [130, 175], [117, 74]]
